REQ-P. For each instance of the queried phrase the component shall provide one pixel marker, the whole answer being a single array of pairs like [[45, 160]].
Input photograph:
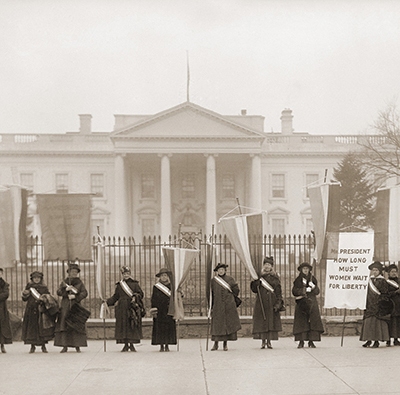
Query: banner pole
[[344, 320], [104, 334], [177, 340]]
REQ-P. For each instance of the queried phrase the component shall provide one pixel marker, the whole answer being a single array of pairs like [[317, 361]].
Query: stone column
[[211, 196], [120, 191], [165, 220], [255, 198]]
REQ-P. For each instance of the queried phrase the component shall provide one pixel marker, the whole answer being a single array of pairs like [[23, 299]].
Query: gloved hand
[[308, 289], [311, 284]]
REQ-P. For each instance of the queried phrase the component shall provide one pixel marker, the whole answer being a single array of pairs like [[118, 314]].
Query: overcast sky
[[334, 63]]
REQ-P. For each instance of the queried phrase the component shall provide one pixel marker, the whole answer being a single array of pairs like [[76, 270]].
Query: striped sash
[[223, 283], [163, 289], [266, 284], [125, 287], [373, 287], [392, 283], [35, 293]]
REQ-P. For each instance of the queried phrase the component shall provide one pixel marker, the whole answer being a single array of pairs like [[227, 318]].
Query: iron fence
[[146, 258]]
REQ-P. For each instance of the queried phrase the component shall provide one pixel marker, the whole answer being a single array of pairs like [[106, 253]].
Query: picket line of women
[[45, 320]]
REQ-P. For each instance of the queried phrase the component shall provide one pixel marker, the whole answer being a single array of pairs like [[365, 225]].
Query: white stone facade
[[186, 165]]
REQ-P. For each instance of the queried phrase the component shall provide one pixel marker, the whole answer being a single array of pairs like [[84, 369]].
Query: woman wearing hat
[[225, 320], [375, 325], [5, 327], [72, 290], [128, 310], [394, 294], [307, 324], [164, 326], [266, 316], [38, 324]]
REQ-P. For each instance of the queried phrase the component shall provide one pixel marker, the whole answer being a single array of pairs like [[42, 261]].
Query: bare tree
[[381, 152]]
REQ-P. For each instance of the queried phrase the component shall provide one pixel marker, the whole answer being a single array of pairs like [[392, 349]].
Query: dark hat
[[269, 259], [376, 265], [304, 264], [390, 267], [219, 266], [73, 266], [162, 271], [36, 274], [125, 269]]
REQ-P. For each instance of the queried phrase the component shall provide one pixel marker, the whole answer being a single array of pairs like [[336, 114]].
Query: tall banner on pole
[[325, 208], [65, 222], [387, 224], [347, 270]]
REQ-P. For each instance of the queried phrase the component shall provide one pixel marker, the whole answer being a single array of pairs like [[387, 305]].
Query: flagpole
[[210, 299], [344, 320], [178, 332]]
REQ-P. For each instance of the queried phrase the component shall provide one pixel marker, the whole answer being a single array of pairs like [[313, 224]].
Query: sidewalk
[[244, 369]]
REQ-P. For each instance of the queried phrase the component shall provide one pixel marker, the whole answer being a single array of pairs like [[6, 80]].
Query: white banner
[[347, 275]]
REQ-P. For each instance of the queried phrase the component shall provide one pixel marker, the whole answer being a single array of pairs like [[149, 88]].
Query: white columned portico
[[255, 198], [211, 203], [120, 191], [165, 220]]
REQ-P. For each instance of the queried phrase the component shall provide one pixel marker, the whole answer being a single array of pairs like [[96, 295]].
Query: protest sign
[[347, 271]]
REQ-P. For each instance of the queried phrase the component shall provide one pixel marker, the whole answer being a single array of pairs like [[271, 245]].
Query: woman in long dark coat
[[307, 323], [128, 298], [38, 324], [375, 321], [72, 290], [225, 320], [266, 316], [5, 327], [394, 294], [164, 326]]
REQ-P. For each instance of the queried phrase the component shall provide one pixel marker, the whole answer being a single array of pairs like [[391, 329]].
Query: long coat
[[128, 319], [225, 320], [394, 294], [164, 326], [38, 326], [307, 318], [64, 335], [271, 302], [5, 327]]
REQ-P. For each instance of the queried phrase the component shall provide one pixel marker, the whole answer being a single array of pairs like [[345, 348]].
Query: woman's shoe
[[301, 344], [125, 348], [215, 346], [396, 342], [166, 348], [77, 349], [263, 345], [132, 347], [367, 344], [225, 346], [269, 345], [376, 344], [3, 349], [311, 344], [162, 348], [44, 349], [32, 350], [64, 349], [388, 343]]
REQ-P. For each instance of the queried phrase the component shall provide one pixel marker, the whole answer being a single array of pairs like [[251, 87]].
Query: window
[[188, 190], [148, 186], [228, 186], [97, 184], [27, 181], [278, 226], [62, 183], [311, 179], [278, 185], [148, 227]]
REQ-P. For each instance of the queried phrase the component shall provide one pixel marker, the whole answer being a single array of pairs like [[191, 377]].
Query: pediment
[[186, 121], [278, 211]]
